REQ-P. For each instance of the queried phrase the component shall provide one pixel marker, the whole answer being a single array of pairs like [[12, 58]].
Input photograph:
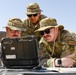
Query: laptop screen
[[20, 52]]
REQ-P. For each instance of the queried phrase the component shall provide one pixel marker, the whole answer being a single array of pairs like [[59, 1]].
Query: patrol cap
[[15, 24], [33, 8], [48, 23]]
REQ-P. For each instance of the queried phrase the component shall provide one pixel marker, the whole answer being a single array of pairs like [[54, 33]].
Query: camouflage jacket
[[32, 27], [64, 45]]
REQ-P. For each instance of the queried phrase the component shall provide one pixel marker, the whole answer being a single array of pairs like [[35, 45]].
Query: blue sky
[[63, 10]]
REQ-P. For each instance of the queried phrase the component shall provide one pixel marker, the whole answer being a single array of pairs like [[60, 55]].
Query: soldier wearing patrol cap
[[58, 46], [31, 23], [14, 28]]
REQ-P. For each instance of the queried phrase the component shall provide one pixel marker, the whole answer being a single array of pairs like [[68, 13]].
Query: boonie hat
[[48, 23], [15, 24], [33, 8]]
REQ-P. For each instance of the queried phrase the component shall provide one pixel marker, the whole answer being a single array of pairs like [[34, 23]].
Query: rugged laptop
[[21, 53]]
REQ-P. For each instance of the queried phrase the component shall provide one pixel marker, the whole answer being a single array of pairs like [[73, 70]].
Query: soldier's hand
[[68, 61]]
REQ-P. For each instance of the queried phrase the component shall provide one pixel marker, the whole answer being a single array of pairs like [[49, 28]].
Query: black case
[[20, 52]]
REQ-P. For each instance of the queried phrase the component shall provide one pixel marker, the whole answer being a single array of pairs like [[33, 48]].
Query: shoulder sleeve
[[43, 16], [25, 22], [69, 37]]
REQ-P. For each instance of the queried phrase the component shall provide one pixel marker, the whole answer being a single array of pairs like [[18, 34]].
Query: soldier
[[32, 22], [58, 46], [13, 30]]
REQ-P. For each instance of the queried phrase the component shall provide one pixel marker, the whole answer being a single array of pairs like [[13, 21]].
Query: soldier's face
[[34, 17], [52, 34], [12, 33]]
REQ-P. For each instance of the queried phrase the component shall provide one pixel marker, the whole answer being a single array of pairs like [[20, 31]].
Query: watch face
[[59, 62]]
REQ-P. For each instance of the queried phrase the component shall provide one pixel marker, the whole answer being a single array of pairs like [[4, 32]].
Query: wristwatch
[[59, 62]]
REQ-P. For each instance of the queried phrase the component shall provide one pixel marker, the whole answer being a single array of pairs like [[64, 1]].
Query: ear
[[39, 13], [57, 28], [7, 29]]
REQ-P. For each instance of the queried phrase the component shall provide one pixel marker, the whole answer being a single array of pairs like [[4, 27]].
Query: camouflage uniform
[[64, 45], [32, 8]]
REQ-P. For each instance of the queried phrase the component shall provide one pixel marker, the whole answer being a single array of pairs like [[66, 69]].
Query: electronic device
[[21, 53]]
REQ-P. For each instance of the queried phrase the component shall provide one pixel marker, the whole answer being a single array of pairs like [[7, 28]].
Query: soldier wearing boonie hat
[[56, 43], [14, 28], [15, 24], [33, 8], [48, 23], [31, 23]]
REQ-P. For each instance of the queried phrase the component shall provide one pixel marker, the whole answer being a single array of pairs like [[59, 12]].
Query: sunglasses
[[30, 15], [47, 31]]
